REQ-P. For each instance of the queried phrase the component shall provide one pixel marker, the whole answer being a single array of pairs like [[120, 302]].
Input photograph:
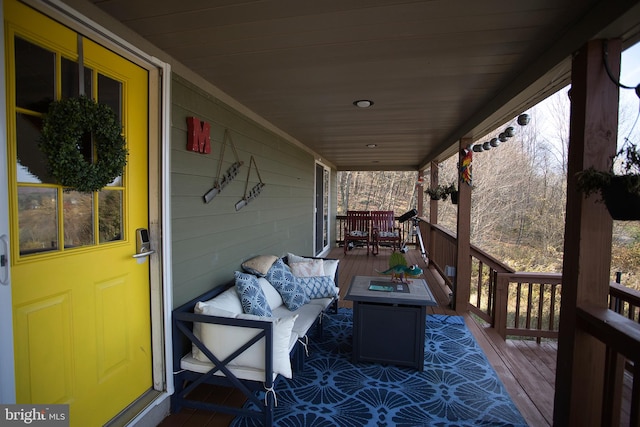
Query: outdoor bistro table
[[389, 320]]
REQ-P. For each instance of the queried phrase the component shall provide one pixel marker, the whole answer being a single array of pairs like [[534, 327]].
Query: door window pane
[[38, 219], [110, 93], [78, 219], [35, 76], [110, 215], [70, 81], [117, 182], [32, 166]]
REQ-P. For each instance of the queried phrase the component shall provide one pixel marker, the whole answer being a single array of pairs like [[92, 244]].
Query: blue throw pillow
[[252, 297], [319, 286], [293, 294]]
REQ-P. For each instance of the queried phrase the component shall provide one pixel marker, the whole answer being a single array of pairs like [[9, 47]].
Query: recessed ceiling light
[[363, 103], [371, 145]]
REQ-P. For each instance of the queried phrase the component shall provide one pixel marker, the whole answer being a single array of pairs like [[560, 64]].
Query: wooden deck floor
[[527, 369]]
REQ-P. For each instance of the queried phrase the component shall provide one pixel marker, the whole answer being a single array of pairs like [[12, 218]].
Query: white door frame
[[324, 250], [7, 372]]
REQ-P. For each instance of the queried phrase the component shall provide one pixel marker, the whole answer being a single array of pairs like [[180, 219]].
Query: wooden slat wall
[[211, 240]]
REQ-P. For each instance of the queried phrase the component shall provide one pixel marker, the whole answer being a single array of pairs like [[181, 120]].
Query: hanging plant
[[63, 129], [620, 191], [441, 192], [454, 197]]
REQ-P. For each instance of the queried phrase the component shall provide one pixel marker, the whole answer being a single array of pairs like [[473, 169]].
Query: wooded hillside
[[518, 199]]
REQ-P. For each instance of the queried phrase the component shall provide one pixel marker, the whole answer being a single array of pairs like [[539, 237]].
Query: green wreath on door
[[64, 127]]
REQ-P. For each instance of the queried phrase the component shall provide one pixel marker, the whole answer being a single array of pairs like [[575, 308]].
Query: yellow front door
[[81, 302]]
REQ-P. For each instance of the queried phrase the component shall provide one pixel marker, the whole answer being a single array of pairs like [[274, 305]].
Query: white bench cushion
[[323, 302], [307, 314], [189, 363], [273, 296], [228, 301], [223, 340]]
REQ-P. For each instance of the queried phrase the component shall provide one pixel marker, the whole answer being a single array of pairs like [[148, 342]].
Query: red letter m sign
[[198, 138]]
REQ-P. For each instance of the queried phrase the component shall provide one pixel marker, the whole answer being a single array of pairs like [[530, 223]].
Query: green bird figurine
[[400, 273]]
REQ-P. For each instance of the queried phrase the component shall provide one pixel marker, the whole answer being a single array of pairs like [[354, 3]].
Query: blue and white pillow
[[319, 286], [292, 292], [252, 297]]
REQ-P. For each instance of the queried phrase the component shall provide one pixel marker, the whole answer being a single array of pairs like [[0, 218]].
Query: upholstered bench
[[245, 333]]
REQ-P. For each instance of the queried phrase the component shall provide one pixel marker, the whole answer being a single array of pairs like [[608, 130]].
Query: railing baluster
[[612, 387], [518, 298], [634, 418], [552, 309], [493, 279], [529, 298], [540, 305], [479, 296]]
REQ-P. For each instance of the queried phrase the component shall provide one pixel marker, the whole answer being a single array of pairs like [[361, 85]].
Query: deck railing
[[405, 229], [624, 301], [518, 304], [442, 248], [523, 304], [528, 305], [621, 336], [484, 270]]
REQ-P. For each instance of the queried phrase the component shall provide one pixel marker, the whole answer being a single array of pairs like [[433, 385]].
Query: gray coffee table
[[389, 327]]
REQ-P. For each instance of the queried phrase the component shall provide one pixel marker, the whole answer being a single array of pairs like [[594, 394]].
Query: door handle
[[143, 245], [144, 254], [4, 260]]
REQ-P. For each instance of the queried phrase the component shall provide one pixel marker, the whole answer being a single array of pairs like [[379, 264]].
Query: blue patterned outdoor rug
[[457, 388]]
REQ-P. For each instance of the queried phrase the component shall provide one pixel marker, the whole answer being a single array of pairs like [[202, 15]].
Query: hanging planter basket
[[623, 204], [620, 191], [454, 197], [441, 192]]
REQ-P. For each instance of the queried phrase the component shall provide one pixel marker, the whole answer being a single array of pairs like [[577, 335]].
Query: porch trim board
[[7, 369]]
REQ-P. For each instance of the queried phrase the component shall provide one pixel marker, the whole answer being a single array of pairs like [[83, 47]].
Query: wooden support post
[[502, 299], [587, 243], [433, 208], [433, 183], [420, 193], [462, 288], [423, 229]]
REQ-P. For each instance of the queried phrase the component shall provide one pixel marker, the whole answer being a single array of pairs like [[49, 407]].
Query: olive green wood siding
[[210, 241]]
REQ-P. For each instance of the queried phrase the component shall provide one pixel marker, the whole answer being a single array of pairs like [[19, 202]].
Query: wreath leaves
[[64, 126]]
